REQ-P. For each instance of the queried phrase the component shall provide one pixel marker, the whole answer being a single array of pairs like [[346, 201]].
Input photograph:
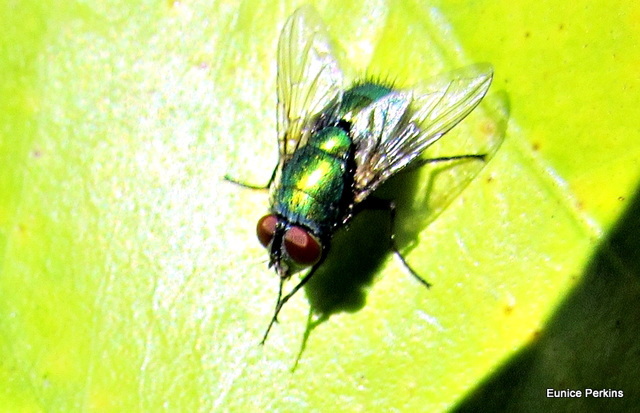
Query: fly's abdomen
[[315, 181], [361, 96]]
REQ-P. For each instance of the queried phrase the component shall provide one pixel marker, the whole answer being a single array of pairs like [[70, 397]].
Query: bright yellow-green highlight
[[315, 177]]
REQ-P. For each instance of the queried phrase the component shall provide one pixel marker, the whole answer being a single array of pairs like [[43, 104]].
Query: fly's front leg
[[387, 205], [282, 300]]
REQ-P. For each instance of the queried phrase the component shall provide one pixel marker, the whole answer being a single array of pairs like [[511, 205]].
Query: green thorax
[[315, 183]]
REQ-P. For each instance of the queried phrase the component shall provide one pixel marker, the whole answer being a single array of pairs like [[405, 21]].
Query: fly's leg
[[386, 205], [282, 300], [251, 186], [274, 319], [422, 162]]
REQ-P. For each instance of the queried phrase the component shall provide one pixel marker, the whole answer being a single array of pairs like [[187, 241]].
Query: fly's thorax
[[316, 182], [332, 141]]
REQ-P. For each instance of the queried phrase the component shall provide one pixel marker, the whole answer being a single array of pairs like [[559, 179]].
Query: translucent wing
[[396, 129], [309, 78]]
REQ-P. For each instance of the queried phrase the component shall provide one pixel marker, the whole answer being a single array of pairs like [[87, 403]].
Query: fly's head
[[291, 247]]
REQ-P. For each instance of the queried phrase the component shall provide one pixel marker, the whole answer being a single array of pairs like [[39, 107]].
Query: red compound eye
[[303, 248], [266, 228]]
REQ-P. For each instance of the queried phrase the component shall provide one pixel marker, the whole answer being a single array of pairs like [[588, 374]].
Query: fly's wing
[[398, 128], [309, 79]]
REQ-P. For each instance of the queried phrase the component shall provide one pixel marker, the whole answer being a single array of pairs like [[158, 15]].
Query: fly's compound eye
[[266, 229], [303, 248]]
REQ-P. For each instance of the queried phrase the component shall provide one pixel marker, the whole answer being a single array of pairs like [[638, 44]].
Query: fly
[[337, 145]]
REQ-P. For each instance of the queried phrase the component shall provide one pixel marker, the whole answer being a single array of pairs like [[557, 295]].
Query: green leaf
[[131, 280]]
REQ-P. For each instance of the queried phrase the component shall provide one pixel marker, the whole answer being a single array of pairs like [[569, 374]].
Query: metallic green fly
[[337, 145]]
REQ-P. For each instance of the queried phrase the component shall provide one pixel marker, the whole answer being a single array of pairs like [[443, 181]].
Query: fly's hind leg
[[422, 162]]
